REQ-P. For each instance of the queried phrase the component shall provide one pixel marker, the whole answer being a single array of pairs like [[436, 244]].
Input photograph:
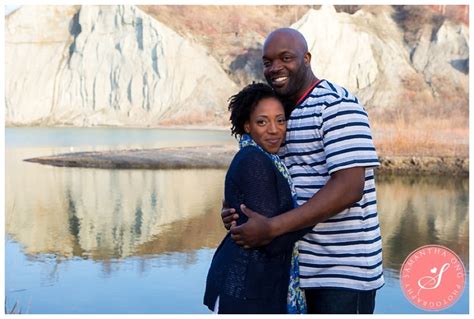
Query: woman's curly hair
[[242, 104]]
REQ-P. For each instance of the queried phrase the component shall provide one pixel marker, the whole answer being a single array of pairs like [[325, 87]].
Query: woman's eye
[[281, 121], [261, 122]]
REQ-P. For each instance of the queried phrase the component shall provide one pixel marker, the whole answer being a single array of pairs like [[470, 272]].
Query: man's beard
[[296, 81]]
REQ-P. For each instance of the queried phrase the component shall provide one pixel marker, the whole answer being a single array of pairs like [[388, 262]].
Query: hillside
[[106, 65], [157, 65], [234, 36]]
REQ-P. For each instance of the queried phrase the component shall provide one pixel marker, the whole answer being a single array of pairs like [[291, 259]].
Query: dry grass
[[423, 137], [424, 123], [400, 136]]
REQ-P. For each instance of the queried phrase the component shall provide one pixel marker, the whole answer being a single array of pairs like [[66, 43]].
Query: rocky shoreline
[[416, 165], [219, 157]]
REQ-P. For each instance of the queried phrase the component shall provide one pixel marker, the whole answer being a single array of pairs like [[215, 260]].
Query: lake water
[[81, 240]]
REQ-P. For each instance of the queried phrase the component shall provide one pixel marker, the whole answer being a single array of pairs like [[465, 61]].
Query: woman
[[256, 280]]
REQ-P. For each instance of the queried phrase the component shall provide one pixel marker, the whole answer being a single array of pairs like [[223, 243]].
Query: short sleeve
[[347, 136]]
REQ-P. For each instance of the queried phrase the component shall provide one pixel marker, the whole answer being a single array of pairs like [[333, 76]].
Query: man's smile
[[279, 81]]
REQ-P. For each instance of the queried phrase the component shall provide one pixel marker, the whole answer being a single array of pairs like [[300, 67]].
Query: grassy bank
[[404, 133], [421, 136]]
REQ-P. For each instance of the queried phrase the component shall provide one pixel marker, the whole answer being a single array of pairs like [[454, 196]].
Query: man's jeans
[[340, 301]]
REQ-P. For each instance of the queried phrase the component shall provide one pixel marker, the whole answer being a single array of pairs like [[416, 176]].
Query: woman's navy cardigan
[[253, 280]]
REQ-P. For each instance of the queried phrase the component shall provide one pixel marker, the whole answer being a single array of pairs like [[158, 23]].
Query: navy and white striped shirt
[[329, 131]]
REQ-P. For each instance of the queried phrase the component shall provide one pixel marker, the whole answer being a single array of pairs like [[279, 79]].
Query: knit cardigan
[[253, 280]]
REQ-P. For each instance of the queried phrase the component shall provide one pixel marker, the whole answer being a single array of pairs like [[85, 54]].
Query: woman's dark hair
[[242, 104]]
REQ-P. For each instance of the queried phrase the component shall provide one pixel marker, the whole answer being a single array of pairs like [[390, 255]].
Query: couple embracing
[[300, 197]]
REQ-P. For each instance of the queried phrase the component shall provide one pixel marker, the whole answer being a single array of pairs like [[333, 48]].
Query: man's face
[[284, 66]]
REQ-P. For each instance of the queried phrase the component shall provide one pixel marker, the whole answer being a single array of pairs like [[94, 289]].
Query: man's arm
[[343, 189]]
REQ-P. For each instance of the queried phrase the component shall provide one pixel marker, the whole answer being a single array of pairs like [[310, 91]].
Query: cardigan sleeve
[[256, 179]]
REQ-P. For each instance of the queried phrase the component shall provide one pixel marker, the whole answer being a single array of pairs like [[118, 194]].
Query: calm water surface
[[140, 241]]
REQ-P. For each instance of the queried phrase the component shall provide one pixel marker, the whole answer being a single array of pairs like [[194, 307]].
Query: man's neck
[[309, 83]]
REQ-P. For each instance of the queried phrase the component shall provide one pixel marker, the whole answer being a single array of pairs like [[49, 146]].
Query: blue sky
[[10, 7]]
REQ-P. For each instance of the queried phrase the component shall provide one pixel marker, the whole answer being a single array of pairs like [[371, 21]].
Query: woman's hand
[[228, 215]]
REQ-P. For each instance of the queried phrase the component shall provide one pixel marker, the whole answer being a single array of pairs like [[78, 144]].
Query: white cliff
[[115, 65], [444, 56], [106, 65], [365, 52]]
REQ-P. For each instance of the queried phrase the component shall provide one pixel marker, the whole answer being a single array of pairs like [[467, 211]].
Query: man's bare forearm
[[342, 190]]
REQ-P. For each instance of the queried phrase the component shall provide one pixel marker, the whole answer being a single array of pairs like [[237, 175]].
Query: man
[[330, 155]]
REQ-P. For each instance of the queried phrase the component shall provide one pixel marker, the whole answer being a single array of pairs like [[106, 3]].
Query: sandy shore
[[220, 157]]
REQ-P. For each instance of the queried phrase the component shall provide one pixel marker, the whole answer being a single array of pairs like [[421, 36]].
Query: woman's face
[[267, 124]]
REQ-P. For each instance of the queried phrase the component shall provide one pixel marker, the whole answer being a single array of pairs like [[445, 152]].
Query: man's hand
[[229, 216], [255, 232]]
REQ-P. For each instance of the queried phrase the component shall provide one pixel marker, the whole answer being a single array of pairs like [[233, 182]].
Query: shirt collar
[[307, 91]]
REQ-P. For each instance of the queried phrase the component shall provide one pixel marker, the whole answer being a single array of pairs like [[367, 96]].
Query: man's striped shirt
[[329, 131]]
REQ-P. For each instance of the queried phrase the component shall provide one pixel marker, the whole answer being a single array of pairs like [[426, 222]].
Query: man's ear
[[307, 59]]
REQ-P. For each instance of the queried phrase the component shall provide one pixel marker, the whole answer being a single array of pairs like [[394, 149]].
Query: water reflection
[[105, 214], [81, 240], [417, 211]]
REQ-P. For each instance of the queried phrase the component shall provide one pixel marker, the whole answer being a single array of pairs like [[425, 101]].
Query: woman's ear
[[247, 127]]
